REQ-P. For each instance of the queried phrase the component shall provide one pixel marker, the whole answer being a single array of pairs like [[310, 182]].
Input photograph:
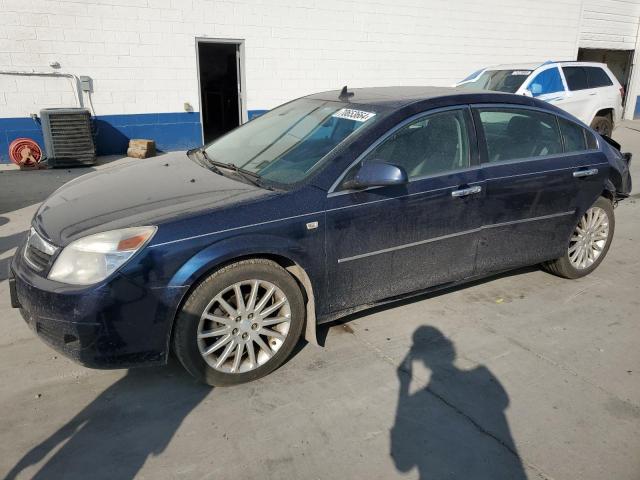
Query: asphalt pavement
[[524, 375]]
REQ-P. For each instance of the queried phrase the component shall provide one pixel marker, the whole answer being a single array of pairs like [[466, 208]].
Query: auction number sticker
[[351, 114], [521, 72]]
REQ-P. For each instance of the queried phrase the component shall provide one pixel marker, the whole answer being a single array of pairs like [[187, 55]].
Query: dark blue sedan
[[326, 205]]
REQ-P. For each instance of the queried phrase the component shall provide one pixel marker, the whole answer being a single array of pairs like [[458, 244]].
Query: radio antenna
[[345, 94]]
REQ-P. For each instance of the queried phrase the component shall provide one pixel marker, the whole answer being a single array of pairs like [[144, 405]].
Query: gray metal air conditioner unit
[[68, 137]]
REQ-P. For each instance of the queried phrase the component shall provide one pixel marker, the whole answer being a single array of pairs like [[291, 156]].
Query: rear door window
[[576, 78], [548, 81], [513, 133], [573, 136], [597, 77]]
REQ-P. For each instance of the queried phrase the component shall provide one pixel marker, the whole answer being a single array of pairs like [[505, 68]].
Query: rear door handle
[[463, 192], [585, 173]]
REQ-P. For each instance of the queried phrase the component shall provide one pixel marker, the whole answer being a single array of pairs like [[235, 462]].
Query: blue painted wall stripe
[[171, 131], [251, 114]]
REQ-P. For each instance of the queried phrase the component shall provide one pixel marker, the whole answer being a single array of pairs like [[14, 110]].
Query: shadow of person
[[455, 427], [113, 436]]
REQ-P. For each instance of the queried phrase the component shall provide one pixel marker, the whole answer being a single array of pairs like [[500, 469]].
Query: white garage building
[[178, 71]]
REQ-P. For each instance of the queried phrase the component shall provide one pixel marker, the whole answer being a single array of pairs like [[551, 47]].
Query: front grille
[[53, 333], [38, 259], [38, 252]]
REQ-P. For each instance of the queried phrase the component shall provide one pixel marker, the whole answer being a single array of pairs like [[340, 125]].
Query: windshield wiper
[[252, 177], [204, 160]]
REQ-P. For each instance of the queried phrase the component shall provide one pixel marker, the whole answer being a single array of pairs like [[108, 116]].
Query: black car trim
[[451, 235]]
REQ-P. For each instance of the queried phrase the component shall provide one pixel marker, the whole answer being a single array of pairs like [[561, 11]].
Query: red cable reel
[[25, 153]]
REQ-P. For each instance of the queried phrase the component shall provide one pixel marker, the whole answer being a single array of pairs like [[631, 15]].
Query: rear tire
[[588, 244], [212, 315], [603, 125]]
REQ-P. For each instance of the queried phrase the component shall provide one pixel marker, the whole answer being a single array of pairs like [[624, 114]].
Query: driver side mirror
[[377, 174]]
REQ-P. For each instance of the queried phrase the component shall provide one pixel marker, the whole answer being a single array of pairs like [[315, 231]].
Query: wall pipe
[[77, 89]]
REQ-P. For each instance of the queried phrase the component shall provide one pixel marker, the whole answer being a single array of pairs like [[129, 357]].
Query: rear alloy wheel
[[589, 238], [240, 323], [589, 242], [603, 125]]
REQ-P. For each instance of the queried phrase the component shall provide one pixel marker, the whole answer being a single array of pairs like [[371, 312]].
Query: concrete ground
[[521, 376]]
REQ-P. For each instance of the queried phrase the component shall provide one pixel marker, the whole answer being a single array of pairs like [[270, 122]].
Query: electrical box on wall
[[86, 84]]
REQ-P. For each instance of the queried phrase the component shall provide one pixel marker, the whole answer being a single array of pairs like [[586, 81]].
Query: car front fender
[[290, 254], [225, 251]]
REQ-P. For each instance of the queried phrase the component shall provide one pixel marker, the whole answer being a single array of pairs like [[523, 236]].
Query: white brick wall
[[610, 24], [141, 54]]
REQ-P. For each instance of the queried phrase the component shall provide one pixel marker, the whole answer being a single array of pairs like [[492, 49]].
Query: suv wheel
[[240, 323], [588, 244], [602, 125]]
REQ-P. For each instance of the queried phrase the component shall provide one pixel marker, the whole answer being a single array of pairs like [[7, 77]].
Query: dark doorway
[[618, 61], [219, 69]]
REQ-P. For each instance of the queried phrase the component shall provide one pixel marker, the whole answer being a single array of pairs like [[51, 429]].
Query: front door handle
[[463, 192], [585, 173]]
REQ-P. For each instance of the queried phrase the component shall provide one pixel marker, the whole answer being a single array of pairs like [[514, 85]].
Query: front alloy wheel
[[244, 326], [240, 323]]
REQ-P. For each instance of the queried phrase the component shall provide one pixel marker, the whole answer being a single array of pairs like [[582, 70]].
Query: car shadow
[[456, 426], [115, 434], [8, 243]]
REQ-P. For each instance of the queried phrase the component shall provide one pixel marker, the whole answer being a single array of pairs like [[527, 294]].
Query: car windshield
[[508, 81], [288, 143]]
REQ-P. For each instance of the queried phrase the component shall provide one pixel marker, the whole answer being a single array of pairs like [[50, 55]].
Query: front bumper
[[116, 324]]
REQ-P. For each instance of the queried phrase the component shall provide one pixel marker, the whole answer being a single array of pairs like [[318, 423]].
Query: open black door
[[218, 65]]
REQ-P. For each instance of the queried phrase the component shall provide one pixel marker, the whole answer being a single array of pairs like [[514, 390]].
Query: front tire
[[588, 244], [240, 323]]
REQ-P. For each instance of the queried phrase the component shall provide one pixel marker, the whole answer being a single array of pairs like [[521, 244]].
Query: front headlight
[[93, 258]]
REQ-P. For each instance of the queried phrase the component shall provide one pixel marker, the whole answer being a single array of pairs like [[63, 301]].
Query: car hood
[[144, 192]]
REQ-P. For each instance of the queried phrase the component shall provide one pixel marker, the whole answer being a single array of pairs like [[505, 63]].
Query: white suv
[[587, 90]]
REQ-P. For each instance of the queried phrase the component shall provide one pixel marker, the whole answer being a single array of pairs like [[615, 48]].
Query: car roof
[[535, 65], [398, 97], [516, 66]]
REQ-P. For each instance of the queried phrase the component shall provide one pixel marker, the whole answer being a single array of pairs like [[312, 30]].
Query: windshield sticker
[[521, 72], [357, 115]]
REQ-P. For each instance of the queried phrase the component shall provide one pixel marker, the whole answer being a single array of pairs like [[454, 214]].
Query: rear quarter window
[[592, 143], [597, 77], [575, 137]]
